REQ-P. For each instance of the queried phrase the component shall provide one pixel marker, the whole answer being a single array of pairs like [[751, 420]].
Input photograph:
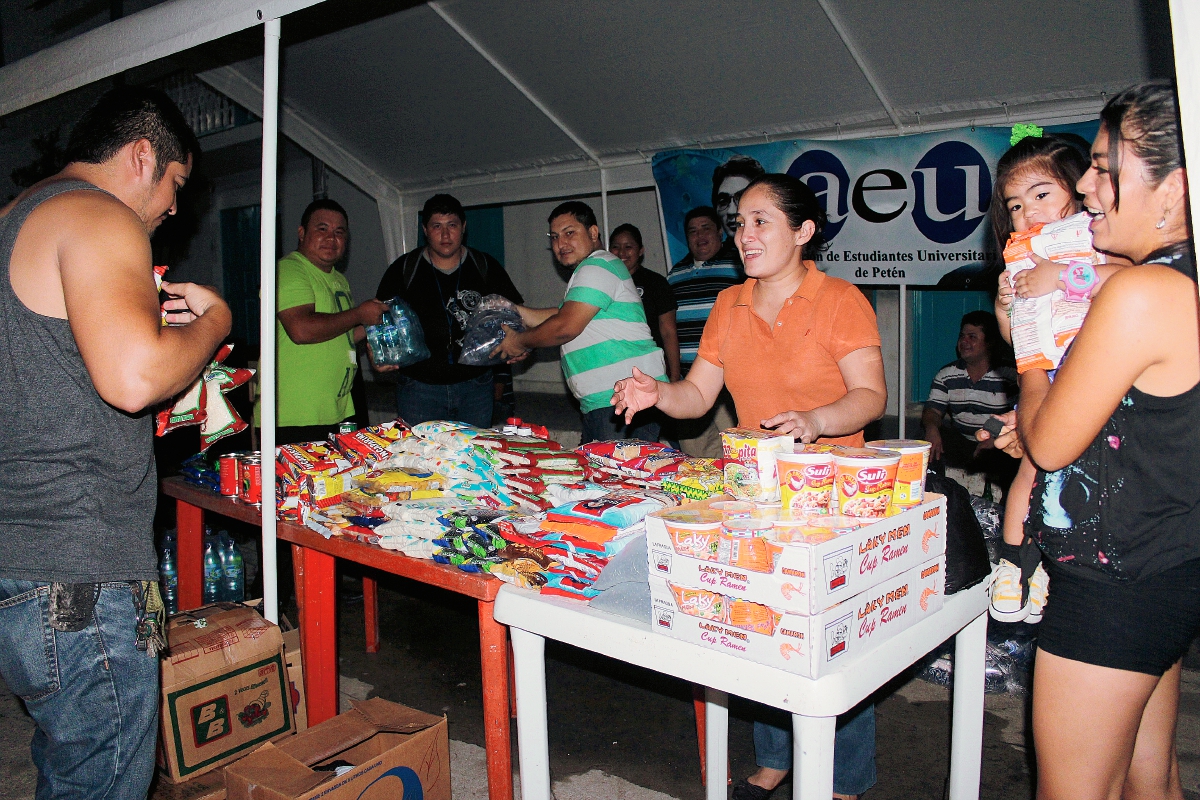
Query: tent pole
[[901, 399], [266, 321], [604, 207], [1185, 30], [662, 223]]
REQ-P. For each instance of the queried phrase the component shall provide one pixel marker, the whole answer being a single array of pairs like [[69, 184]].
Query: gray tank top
[[77, 480]]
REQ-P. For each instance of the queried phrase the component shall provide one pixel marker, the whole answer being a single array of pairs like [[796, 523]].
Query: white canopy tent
[[503, 101]]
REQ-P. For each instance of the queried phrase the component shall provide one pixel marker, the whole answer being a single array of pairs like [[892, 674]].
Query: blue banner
[[903, 209]]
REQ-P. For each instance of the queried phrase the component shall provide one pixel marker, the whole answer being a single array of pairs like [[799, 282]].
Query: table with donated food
[[799, 557]]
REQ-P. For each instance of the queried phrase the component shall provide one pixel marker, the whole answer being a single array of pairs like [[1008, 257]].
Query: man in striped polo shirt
[[962, 397], [600, 327]]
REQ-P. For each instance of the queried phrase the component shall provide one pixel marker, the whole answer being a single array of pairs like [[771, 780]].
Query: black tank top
[[77, 478], [1129, 507]]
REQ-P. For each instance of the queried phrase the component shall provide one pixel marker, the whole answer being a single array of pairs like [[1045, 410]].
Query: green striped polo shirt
[[616, 340]]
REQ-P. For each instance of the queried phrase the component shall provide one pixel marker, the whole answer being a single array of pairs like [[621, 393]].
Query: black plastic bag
[[967, 561]]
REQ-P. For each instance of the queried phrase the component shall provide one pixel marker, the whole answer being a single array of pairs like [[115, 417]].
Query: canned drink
[[228, 466], [251, 480], [347, 427]]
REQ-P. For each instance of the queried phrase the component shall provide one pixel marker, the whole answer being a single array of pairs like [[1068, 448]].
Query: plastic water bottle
[[235, 577], [213, 574], [169, 575]]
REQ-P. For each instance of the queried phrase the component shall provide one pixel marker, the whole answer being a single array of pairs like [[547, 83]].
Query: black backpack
[[967, 560]]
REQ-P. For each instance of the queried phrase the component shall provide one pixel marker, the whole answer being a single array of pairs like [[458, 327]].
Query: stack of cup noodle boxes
[[233, 702], [777, 578]]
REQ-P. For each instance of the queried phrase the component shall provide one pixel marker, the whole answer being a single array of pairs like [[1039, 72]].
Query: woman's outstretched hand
[[634, 394]]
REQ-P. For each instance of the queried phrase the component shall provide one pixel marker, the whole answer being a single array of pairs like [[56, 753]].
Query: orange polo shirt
[[791, 366]]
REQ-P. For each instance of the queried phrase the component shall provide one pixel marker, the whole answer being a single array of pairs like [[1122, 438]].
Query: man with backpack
[[444, 282]]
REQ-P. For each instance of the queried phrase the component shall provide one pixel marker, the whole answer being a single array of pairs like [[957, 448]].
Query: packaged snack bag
[[750, 469], [1042, 327]]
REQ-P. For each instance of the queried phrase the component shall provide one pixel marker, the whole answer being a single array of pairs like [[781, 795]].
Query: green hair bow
[[1021, 130]]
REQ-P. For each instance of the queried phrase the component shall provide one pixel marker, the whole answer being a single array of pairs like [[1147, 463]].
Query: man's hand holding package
[[511, 348]]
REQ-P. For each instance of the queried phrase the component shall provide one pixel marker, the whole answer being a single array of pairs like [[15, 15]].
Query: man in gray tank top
[[83, 358]]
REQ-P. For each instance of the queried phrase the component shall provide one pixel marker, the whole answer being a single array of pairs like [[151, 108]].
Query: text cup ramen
[[910, 476], [806, 482], [865, 479]]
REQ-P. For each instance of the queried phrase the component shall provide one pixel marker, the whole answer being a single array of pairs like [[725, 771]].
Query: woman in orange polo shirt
[[799, 351]]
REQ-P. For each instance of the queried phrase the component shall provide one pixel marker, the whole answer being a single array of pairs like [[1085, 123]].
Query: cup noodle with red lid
[[798, 565]]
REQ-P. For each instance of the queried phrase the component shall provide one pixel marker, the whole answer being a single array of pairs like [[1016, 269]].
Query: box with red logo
[[804, 577], [810, 646], [224, 689]]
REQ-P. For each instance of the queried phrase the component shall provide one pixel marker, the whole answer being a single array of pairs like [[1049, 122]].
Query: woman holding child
[[1115, 504]]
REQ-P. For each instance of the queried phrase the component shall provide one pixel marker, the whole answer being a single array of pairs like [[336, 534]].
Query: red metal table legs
[[493, 647], [189, 553], [371, 613], [316, 595]]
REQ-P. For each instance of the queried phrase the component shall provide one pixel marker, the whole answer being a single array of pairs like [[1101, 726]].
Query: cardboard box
[[810, 578], [812, 645], [224, 689], [209, 786], [393, 752], [295, 672]]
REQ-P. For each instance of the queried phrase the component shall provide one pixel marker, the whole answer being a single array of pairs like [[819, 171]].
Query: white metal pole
[[901, 398], [604, 206], [1185, 30], [266, 322]]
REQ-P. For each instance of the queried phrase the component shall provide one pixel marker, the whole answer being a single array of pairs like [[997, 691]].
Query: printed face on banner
[[904, 209]]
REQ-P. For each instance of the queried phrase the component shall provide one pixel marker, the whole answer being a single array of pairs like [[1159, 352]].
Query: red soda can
[[250, 468], [231, 478]]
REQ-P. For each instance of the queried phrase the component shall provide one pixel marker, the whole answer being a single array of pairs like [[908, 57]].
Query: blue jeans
[[93, 694], [468, 401], [602, 425], [853, 747]]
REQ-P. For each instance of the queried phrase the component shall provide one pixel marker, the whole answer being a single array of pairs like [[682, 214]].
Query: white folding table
[[814, 704]]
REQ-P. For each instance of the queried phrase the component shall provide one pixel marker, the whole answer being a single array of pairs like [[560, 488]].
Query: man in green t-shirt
[[318, 328]]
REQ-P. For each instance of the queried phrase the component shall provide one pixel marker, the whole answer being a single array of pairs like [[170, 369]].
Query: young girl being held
[[1035, 184]]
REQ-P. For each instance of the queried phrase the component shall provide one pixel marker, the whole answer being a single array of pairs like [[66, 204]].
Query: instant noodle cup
[[700, 603], [752, 616], [747, 544], [806, 481], [750, 469], [865, 480], [910, 476], [733, 509], [767, 511], [696, 539], [838, 523], [689, 514]]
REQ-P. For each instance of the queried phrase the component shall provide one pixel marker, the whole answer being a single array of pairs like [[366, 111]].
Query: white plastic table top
[[634, 642]]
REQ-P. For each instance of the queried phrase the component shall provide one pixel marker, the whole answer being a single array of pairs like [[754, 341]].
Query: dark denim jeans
[[602, 425], [469, 401], [93, 694], [853, 747]]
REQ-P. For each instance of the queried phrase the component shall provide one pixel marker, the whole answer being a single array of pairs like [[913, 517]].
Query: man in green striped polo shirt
[[600, 326]]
